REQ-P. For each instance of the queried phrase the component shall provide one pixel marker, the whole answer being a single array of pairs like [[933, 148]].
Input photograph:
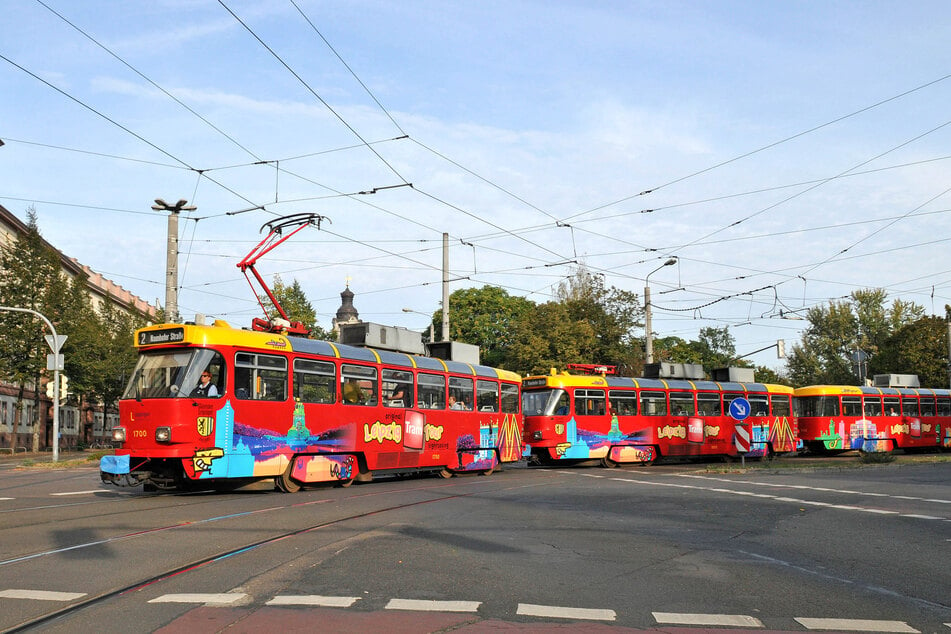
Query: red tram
[[572, 418], [300, 411], [836, 418]]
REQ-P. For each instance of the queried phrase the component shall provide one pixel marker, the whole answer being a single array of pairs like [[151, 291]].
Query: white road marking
[[856, 625], [79, 492], [776, 485], [40, 595], [314, 599], [421, 605], [7, 498], [777, 498], [223, 598], [559, 612], [731, 620]]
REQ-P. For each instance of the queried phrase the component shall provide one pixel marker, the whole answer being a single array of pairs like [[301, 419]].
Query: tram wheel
[[284, 482], [345, 483], [487, 472], [445, 473], [607, 463]]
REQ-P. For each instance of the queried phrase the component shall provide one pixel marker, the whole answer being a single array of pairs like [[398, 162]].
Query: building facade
[[81, 424]]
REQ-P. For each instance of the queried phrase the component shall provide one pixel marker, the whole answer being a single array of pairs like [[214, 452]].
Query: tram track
[[201, 562]]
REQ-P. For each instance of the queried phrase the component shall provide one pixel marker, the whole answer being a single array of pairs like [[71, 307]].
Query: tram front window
[[174, 374], [544, 402]]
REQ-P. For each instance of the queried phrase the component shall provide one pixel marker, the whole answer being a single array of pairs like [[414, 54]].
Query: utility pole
[[445, 287], [171, 266]]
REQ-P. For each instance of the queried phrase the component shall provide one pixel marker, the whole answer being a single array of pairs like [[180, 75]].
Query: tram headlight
[[537, 435], [118, 434], [163, 434]]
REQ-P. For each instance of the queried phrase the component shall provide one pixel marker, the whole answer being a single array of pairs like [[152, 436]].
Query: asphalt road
[[662, 548]]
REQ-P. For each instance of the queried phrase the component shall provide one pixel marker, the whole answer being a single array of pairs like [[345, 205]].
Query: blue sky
[[793, 151]]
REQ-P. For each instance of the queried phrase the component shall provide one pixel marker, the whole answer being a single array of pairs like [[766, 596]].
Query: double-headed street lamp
[[171, 270], [649, 338]]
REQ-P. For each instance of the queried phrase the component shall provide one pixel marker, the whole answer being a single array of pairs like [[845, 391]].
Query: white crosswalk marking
[[559, 612], [731, 620], [314, 599], [857, 625], [40, 595], [433, 606], [223, 598]]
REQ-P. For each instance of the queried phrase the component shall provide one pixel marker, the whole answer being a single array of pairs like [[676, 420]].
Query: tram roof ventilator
[[663, 370], [896, 380], [396, 339]]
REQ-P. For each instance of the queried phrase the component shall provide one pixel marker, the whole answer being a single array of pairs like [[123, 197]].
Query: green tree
[[547, 339], [31, 279], [485, 317], [835, 333], [611, 316], [921, 348]]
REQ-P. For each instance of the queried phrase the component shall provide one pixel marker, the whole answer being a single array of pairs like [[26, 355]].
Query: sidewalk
[[11, 460]]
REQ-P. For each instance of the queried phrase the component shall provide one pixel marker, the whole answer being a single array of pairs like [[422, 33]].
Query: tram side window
[[944, 406], [589, 402], [509, 398], [314, 381], [708, 404], [852, 406], [909, 406], [623, 402], [487, 396], [460, 393], [397, 388], [681, 404], [431, 391], [927, 406], [872, 406], [779, 404], [759, 404], [891, 406], [653, 404], [358, 384], [260, 377], [819, 406]]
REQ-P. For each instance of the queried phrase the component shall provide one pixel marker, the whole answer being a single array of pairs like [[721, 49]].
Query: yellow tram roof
[[223, 334], [564, 380]]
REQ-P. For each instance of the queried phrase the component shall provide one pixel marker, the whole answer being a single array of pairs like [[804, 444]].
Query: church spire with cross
[[347, 313]]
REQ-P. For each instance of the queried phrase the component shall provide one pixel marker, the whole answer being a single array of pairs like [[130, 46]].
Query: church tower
[[347, 313]]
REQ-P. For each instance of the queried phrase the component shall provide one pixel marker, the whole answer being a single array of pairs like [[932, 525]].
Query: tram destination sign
[[165, 335]]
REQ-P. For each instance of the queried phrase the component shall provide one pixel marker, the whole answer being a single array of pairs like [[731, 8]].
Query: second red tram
[[836, 418], [571, 418]]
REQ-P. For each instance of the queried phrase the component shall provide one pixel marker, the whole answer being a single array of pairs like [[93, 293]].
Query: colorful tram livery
[[302, 411], [615, 420], [835, 418]]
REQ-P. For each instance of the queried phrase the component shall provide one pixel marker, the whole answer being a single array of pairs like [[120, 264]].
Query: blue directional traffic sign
[[739, 409]]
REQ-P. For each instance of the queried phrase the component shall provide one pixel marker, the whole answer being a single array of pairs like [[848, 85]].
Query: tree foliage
[[32, 279], [859, 327], [486, 317]]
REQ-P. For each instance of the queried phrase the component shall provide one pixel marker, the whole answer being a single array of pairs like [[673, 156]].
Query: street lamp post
[[431, 334], [55, 363], [649, 338], [171, 269]]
